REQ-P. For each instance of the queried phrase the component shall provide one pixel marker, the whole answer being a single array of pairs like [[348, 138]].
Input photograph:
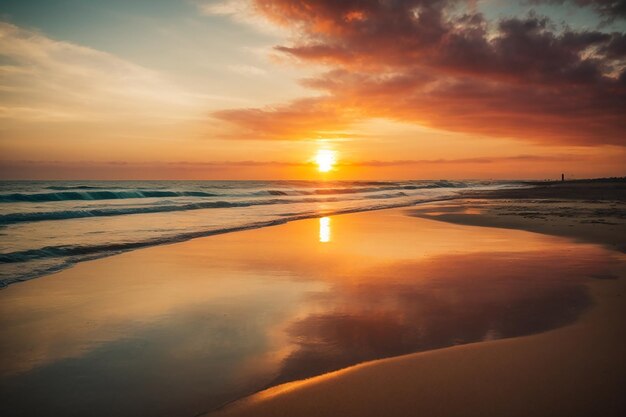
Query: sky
[[254, 89]]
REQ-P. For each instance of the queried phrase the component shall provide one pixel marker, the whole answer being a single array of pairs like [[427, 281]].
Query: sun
[[325, 160]]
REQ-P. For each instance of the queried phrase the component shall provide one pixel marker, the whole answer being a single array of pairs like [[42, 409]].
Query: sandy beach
[[587, 211], [278, 208], [576, 370], [323, 317]]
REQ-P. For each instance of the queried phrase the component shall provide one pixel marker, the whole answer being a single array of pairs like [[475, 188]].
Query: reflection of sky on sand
[[189, 326]]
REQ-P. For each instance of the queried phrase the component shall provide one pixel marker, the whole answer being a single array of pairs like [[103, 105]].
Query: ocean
[[47, 226]]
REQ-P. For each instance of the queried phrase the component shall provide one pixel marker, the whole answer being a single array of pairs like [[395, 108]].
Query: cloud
[[241, 11], [475, 160], [438, 64], [154, 163], [122, 169], [43, 79], [301, 119]]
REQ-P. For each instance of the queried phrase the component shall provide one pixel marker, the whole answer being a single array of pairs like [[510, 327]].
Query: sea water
[[46, 226]]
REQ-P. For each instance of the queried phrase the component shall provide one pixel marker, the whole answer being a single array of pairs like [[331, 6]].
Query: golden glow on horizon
[[324, 229], [325, 160], [346, 134]]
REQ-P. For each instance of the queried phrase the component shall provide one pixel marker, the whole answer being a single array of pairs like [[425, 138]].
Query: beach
[[315, 208], [275, 208], [587, 211], [576, 370], [449, 308]]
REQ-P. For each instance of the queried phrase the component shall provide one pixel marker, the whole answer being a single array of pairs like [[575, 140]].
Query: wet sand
[[595, 221], [586, 210], [578, 370], [508, 323], [575, 370]]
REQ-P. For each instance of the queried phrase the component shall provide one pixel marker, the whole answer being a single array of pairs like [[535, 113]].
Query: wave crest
[[97, 195]]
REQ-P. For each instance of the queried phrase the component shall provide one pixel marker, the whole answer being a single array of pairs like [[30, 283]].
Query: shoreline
[[436, 284], [125, 248], [373, 388], [591, 211], [537, 189]]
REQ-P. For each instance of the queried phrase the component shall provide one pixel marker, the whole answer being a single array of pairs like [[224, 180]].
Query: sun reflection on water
[[324, 229]]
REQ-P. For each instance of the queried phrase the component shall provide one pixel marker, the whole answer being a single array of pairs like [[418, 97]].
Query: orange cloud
[[301, 119], [416, 61]]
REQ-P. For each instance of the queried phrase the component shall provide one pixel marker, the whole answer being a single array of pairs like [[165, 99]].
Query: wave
[[90, 193], [392, 187], [106, 212], [383, 196], [13, 218], [165, 206], [75, 187], [90, 251], [363, 189], [98, 195], [36, 258]]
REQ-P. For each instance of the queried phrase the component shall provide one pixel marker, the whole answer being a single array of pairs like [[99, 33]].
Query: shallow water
[[46, 226], [181, 329]]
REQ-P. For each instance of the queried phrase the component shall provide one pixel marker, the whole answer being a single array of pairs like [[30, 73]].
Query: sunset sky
[[414, 89]]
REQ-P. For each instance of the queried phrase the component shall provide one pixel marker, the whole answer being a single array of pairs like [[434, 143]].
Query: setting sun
[[325, 160]]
